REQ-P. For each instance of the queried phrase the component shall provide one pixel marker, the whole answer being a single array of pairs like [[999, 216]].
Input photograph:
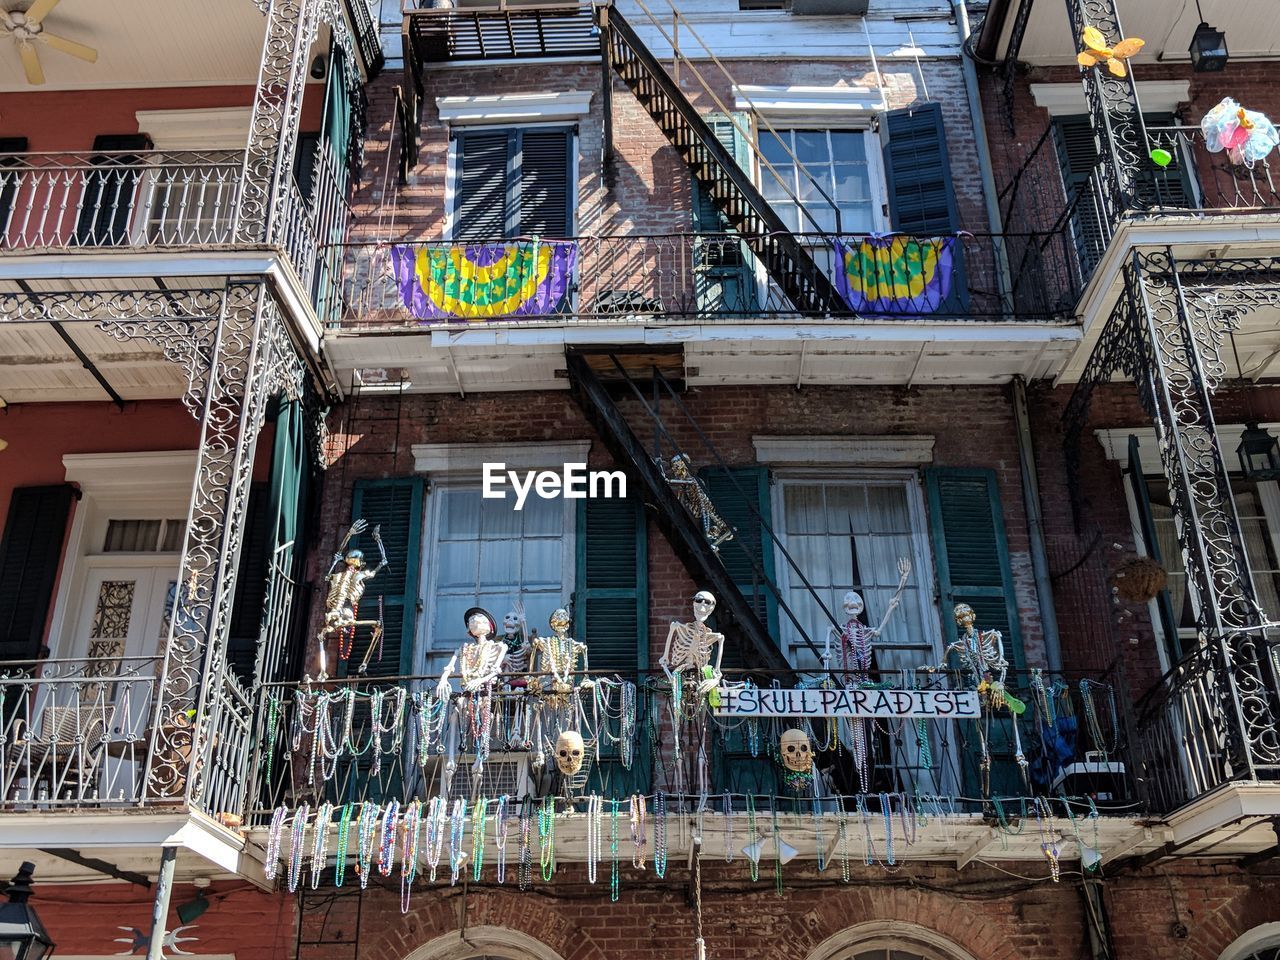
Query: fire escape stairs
[[735, 617], [787, 260]]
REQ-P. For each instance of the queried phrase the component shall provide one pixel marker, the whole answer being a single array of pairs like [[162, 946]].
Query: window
[[144, 536], [1258, 506], [849, 535], [483, 552], [513, 183], [841, 164]]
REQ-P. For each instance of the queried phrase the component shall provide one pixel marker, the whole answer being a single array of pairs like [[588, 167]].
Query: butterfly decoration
[[1096, 51]]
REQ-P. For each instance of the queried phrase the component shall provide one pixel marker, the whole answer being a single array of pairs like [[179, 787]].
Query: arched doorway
[[484, 943], [1260, 943], [888, 940]]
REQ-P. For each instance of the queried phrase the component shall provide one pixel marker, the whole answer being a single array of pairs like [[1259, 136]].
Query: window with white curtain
[[1258, 506], [837, 169], [483, 552], [849, 534]]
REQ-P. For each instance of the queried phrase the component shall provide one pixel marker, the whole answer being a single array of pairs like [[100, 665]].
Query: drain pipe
[[1035, 526], [989, 195]]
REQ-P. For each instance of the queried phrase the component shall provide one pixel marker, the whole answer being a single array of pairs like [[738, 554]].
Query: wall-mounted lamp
[[1208, 47], [318, 68]]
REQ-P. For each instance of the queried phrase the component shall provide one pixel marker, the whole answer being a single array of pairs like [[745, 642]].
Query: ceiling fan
[[27, 29]]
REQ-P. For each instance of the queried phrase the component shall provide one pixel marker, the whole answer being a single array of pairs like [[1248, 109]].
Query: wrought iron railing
[[364, 739], [1197, 180], [84, 733], [685, 276], [1194, 730]]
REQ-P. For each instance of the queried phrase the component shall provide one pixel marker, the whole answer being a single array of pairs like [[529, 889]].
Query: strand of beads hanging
[[751, 832], [1048, 837], [319, 842], [500, 837], [344, 840], [614, 879], [274, 833], [726, 810], [660, 834], [437, 812], [639, 829], [595, 812], [843, 829], [387, 849], [457, 828], [366, 837], [525, 871], [547, 838], [479, 819], [297, 840], [411, 823]]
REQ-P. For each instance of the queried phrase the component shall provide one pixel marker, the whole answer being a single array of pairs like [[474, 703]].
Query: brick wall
[[647, 190]]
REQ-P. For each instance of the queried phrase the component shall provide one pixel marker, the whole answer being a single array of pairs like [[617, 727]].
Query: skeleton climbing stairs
[[788, 261], [592, 377]]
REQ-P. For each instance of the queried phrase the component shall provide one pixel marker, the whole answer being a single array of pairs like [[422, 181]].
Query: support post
[[160, 904]]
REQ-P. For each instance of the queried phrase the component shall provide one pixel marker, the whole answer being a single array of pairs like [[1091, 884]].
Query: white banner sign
[[765, 702]]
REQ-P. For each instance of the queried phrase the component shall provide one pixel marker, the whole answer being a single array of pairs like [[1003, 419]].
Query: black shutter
[[304, 163], [482, 180], [251, 583], [1151, 543], [30, 553], [107, 203], [9, 181], [611, 599], [396, 505], [723, 270], [1078, 156], [741, 497], [545, 164], [918, 171]]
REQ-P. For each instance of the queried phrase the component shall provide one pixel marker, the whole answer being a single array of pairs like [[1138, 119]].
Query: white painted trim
[[828, 103], [844, 451], [891, 934], [510, 108], [469, 458], [213, 128], [144, 476], [1115, 444], [1067, 99], [484, 942], [1261, 937]]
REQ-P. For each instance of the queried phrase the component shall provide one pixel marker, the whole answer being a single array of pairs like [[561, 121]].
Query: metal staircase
[[594, 379], [788, 261]]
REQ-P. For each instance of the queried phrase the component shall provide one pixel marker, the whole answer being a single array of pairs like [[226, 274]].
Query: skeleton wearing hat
[[480, 661]]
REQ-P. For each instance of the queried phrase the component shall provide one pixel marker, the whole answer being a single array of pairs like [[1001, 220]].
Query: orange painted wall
[[70, 119]]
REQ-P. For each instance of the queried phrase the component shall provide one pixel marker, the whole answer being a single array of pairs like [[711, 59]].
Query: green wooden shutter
[[482, 174], [1078, 157], [395, 504], [1147, 528], [725, 274], [748, 557], [611, 598], [918, 171], [544, 196], [971, 553], [251, 584], [30, 554]]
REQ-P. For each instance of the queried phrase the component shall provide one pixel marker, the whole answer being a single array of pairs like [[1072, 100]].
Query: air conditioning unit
[[829, 8]]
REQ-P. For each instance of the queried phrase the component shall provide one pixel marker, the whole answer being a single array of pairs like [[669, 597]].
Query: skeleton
[[689, 647], [515, 634], [570, 751], [797, 758], [557, 655], [347, 578], [690, 491], [480, 662], [856, 638]]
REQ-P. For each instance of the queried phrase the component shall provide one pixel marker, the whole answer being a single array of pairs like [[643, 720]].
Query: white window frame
[[460, 465], [921, 547], [121, 486], [451, 169], [877, 184]]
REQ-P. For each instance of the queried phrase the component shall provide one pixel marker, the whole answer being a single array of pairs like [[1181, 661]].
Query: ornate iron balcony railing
[[76, 734], [698, 277], [379, 739], [1200, 181]]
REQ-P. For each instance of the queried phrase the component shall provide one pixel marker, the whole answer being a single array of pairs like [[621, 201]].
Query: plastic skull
[[964, 615], [355, 559], [796, 753], [559, 621], [569, 752], [704, 604], [511, 623], [852, 605]]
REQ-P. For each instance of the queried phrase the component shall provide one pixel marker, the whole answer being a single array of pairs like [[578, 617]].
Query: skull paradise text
[[573, 482]]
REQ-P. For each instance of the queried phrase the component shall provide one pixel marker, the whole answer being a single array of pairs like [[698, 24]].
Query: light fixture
[[22, 935], [1259, 453], [755, 851], [317, 68], [192, 910], [1208, 47]]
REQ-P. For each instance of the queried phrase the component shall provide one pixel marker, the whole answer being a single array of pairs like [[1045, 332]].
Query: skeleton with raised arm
[[347, 578], [515, 634], [691, 647], [855, 639]]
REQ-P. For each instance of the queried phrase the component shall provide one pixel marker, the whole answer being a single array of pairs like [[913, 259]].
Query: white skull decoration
[[852, 605], [570, 750], [796, 755]]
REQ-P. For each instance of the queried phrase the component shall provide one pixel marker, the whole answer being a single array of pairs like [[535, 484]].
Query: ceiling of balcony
[[1252, 29], [144, 43]]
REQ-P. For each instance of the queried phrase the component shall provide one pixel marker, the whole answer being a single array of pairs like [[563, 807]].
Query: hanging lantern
[[1208, 49], [22, 935], [1259, 453]]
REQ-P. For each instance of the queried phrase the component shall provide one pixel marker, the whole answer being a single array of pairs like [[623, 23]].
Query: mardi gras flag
[[899, 275], [488, 281]]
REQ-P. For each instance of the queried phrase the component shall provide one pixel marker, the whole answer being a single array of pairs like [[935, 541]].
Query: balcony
[[1212, 182], [686, 277]]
